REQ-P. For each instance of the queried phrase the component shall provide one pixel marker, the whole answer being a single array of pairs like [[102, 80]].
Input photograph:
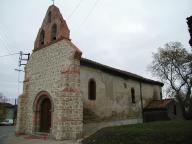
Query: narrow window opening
[[92, 90], [42, 37], [175, 110], [49, 17], [54, 32], [133, 95], [155, 94], [125, 85]]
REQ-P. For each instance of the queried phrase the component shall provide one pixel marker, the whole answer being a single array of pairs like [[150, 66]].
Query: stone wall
[[113, 95], [55, 70]]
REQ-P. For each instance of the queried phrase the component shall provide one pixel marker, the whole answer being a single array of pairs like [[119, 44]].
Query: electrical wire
[[4, 36], [75, 9], [88, 15], [4, 43], [8, 55]]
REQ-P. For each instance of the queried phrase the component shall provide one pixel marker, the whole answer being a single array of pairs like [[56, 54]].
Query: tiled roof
[[117, 72], [159, 104]]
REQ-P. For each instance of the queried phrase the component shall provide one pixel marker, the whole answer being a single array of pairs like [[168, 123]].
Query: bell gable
[[53, 29]]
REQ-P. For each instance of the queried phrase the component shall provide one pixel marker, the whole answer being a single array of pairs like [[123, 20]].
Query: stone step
[[41, 134], [38, 135]]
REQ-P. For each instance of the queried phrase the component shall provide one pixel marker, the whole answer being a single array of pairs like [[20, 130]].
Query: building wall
[[174, 111], [113, 95], [3, 111], [155, 115], [10, 113], [53, 69]]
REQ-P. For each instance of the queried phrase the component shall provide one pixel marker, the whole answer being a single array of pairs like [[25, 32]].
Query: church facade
[[63, 91]]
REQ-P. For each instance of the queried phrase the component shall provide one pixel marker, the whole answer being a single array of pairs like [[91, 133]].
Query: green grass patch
[[169, 132]]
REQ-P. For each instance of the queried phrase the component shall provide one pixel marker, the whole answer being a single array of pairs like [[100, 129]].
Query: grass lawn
[[166, 132]]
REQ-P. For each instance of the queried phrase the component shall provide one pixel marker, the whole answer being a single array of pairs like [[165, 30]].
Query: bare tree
[[173, 65], [189, 23]]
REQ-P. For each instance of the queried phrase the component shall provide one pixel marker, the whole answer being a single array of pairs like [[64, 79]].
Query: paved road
[[6, 131], [7, 136]]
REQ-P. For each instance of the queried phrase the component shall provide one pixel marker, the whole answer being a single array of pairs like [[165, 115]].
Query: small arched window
[[42, 37], [92, 90], [54, 32], [49, 17], [133, 95], [125, 85]]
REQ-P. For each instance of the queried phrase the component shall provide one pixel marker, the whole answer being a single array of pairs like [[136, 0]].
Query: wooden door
[[45, 118]]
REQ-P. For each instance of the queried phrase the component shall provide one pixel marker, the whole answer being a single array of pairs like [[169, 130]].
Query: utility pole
[[23, 58]]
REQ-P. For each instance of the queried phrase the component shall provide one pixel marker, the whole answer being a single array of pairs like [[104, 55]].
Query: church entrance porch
[[43, 108]]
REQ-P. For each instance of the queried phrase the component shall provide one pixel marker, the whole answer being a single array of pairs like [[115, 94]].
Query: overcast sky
[[119, 33]]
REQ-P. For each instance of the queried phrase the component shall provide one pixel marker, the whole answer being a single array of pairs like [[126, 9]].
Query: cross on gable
[[53, 2]]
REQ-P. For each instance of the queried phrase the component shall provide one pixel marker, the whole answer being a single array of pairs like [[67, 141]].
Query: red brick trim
[[36, 109], [53, 42], [26, 80], [41, 96]]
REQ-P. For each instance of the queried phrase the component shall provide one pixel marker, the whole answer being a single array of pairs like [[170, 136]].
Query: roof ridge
[[116, 71]]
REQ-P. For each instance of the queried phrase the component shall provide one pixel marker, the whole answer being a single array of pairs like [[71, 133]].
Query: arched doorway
[[43, 108], [45, 115]]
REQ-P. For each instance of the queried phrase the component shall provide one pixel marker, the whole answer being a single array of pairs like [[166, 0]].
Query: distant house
[[166, 109], [7, 111]]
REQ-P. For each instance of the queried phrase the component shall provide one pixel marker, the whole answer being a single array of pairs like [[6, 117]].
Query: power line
[[75, 9], [4, 36], [9, 54], [90, 12], [4, 43]]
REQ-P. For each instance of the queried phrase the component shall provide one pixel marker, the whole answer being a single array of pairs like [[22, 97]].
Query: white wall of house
[[113, 94]]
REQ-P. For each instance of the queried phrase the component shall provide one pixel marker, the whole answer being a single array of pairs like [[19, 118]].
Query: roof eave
[[117, 72]]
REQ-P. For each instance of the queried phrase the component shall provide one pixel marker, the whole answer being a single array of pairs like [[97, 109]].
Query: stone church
[[62, 91]]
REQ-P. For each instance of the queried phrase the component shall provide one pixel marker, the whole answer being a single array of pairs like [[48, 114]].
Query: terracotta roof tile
[[117, 72], [159, 104]]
